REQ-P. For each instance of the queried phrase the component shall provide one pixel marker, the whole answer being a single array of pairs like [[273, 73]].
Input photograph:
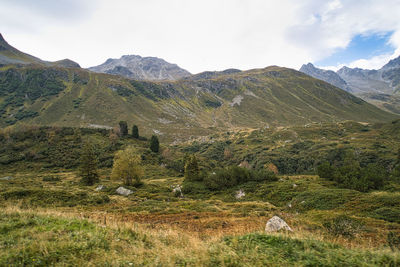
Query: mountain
[[141, 68], [58, 95], [379, 87], [328, 76], [11, 55], [176, 110]]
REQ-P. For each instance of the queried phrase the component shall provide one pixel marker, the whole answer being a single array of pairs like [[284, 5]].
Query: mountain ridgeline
[[196, 105], [11, 55], [142, 68], [380, 87]]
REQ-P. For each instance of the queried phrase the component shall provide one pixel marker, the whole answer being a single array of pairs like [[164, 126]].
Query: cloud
[[197, 35]]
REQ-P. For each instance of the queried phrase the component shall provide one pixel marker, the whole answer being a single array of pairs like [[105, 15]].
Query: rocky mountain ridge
[[141, 68]]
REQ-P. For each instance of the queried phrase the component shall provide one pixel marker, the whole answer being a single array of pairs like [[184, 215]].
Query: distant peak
[[1, 38]]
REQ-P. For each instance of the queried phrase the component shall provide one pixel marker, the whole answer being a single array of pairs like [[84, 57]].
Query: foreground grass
[[41, 240]]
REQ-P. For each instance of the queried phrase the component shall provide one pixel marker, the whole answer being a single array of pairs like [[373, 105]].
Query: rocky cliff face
[[325, 75], [142, 68]]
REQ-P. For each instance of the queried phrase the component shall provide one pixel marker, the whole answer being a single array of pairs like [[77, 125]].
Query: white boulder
[[123, 191], [276, 224]]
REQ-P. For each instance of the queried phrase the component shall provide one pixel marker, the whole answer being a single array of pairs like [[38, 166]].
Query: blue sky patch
[[360, 47]]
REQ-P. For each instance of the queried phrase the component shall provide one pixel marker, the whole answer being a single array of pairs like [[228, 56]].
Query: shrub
[[192, 171], [343, 225], [127, 166], [325, 170], [393, 241], [232, 176], [88, 168]]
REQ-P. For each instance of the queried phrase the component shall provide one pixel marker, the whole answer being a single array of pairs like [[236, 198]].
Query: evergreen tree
[[154, 144], [135, 132], [123, 128], [192, 171], [88, 168]]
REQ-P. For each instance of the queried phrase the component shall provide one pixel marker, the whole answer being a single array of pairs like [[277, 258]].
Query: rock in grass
[[123, 191], [100, 187], [6, 178], [276, 224], [239, 194]]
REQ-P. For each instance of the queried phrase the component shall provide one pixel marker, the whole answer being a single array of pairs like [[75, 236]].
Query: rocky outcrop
[[328, 76], [142, 68], [276, 224], [123, 191]]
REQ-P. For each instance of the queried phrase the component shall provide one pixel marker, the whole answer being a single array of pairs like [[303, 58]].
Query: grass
[[42, 239]]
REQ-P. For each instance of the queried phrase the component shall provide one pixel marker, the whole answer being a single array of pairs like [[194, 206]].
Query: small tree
[[192, 171], [154, 144], [123, 128], [88, 168], [135, 132], [127, 166]]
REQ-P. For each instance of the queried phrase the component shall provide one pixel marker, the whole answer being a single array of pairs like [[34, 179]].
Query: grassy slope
[[44, 206], [37, 240], [271, 96]]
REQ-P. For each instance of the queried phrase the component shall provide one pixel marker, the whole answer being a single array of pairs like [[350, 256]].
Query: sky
[[201, 35]]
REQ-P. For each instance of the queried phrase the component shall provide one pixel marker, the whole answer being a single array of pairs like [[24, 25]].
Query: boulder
[[276, 224], [240, 194], [100, 187], [123, 191], [177, 190]]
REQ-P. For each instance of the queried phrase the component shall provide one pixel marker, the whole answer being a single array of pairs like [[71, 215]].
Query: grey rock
[[276, 224], [328, 76], [142, 68], [177, 190], [6, 178], [100, 187], [123, 191], [239, 194]]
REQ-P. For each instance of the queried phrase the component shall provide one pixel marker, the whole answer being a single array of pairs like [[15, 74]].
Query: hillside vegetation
[[195, 106], [51, 218]]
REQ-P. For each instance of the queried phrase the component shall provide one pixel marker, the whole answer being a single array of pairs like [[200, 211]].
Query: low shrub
[[343, 225]]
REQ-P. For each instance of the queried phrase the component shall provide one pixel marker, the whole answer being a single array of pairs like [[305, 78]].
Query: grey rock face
[[123, 191], [142, 68], [276, 224], [328, 76]]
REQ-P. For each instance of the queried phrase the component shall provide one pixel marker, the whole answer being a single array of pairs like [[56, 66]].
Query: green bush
[[350, 175], [232, 176], [393, 241], [343, 225]]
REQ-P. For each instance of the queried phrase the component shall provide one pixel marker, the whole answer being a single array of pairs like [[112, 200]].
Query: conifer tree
[[192, 171], [88, 168], [135, 132], [154, 144], [123, 128]]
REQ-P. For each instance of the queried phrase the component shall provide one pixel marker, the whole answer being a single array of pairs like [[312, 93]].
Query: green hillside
[[195, 106]]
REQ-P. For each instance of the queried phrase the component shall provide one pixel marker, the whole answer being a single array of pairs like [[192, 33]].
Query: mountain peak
[[1, 38], [394, 63], [142, 68], [328, 76]]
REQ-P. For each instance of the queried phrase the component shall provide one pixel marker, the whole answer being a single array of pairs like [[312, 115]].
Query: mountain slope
[[189, 107], [379, 87], [141, 68], [11, 55]]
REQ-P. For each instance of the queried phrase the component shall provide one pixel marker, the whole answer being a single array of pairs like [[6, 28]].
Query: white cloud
[[197, 35]]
